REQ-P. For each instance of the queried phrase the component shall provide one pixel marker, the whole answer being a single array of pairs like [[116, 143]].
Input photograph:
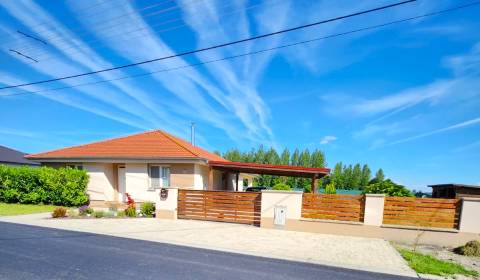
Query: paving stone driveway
[[350, 252]]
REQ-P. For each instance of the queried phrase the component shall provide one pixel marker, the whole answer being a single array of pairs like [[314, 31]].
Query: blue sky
[[405, 97]]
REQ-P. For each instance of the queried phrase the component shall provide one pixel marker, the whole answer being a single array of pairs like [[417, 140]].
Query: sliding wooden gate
[[221, 206]]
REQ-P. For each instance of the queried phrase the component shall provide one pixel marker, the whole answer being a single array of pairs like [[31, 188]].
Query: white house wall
[[102, 181]]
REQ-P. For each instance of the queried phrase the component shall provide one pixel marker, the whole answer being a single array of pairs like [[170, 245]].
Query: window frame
[[161, 176]]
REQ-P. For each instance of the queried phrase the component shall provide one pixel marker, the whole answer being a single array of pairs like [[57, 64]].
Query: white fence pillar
[[374, 205], [280, 207], [166, 207], [469, 220]]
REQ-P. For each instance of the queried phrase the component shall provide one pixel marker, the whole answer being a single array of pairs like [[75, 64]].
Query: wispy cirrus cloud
[[327, 139], [464, 124]]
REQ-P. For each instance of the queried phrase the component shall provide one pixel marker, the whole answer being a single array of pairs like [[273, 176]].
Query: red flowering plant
[[131, 210]]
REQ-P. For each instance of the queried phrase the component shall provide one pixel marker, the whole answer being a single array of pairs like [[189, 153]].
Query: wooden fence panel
[[422, 212], [333, 207], [221, 206]]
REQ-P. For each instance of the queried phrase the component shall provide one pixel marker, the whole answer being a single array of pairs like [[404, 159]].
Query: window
[[159, 176]]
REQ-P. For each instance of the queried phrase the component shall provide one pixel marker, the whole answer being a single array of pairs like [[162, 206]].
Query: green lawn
[[7, 209], [427, 264]]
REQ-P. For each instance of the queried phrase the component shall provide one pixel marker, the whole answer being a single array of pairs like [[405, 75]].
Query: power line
[[45, 23], [216, 46], [32, 37], [44, 56], [255, 52], [24, 55], [54, 38]]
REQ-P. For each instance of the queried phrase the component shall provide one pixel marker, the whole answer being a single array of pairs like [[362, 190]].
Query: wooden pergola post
[[210, 179], [314, 184], [236, 181]]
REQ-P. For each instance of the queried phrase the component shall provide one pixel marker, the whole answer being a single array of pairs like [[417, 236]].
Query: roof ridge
[[173, 138], [93, 142]]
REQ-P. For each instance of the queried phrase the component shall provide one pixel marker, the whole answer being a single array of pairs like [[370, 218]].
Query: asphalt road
[[28, 252]]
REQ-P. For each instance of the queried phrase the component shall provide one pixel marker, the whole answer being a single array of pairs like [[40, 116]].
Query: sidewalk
[[369, 254]]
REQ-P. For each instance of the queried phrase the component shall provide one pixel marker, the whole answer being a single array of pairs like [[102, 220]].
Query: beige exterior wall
[[201, 177], [101, 185], [182, 175]]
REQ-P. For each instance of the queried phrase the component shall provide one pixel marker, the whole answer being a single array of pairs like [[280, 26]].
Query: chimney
[[192, 134]]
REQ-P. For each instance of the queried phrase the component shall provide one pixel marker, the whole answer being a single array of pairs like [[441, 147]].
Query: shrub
[[471, 249], [59, 212], [281, 187], [98, 214], [64, 186], [121, 214], [388, 188], [131, 211], [147, 209], [85, 210], [330, 188]]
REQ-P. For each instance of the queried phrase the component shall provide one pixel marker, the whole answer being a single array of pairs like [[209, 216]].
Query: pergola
[[236, 168]]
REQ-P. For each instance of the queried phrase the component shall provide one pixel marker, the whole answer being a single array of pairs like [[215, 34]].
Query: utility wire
[[256, 52], [45, 23], [214, 47], [78, 31], [101, 45], [24, 55], [32, 37]]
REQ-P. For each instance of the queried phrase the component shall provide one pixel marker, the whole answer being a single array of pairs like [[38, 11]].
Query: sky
[[404, 97]]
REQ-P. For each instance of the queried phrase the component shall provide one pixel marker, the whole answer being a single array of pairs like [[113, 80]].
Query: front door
[[121, 183]]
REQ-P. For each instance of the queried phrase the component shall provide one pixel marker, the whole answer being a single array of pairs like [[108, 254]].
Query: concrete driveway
[[368, 254]]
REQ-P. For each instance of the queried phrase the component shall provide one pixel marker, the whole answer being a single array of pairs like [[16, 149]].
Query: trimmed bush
[[98, 214], [63, 186], [471, 249], [281, 187], [147, 209], [59, 212]]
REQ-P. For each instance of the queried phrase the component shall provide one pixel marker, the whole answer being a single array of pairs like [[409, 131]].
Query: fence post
[[469, 221], [289, 203], [374, 205], [166, 207]]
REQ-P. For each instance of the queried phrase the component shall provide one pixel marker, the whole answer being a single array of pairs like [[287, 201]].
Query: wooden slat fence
[[422, 212], [221, 206], [333, 207]]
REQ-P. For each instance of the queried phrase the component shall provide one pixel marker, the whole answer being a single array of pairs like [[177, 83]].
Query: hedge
[[63, 186]]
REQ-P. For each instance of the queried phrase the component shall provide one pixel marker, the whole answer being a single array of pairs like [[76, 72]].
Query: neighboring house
[[14, 158], [455, 190], [140, 164]]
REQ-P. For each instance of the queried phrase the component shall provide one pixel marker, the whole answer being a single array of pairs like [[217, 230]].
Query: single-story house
[[141, 163], [13, 157], [455, 190]]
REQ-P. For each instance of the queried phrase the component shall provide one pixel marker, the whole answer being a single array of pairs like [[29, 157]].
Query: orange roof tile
[[146, 145]]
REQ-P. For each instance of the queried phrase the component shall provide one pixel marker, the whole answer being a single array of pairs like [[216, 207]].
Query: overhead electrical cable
[[74, 49], [79, 31], [46, 23], [212, 47], [255, 52]]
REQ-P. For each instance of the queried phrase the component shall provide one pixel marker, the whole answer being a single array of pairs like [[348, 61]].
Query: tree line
[[344, 176]]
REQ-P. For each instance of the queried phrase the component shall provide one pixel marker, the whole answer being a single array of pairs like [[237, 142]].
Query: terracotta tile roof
[[146, 145]]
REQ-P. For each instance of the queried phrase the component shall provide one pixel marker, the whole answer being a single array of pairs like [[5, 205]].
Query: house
[[455, 190], [140, 164], [13, 157]]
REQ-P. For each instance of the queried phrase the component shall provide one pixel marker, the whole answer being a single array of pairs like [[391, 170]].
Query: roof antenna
[[192, 133]]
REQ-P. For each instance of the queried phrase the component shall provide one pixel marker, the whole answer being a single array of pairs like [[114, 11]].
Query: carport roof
[[270, 169]]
